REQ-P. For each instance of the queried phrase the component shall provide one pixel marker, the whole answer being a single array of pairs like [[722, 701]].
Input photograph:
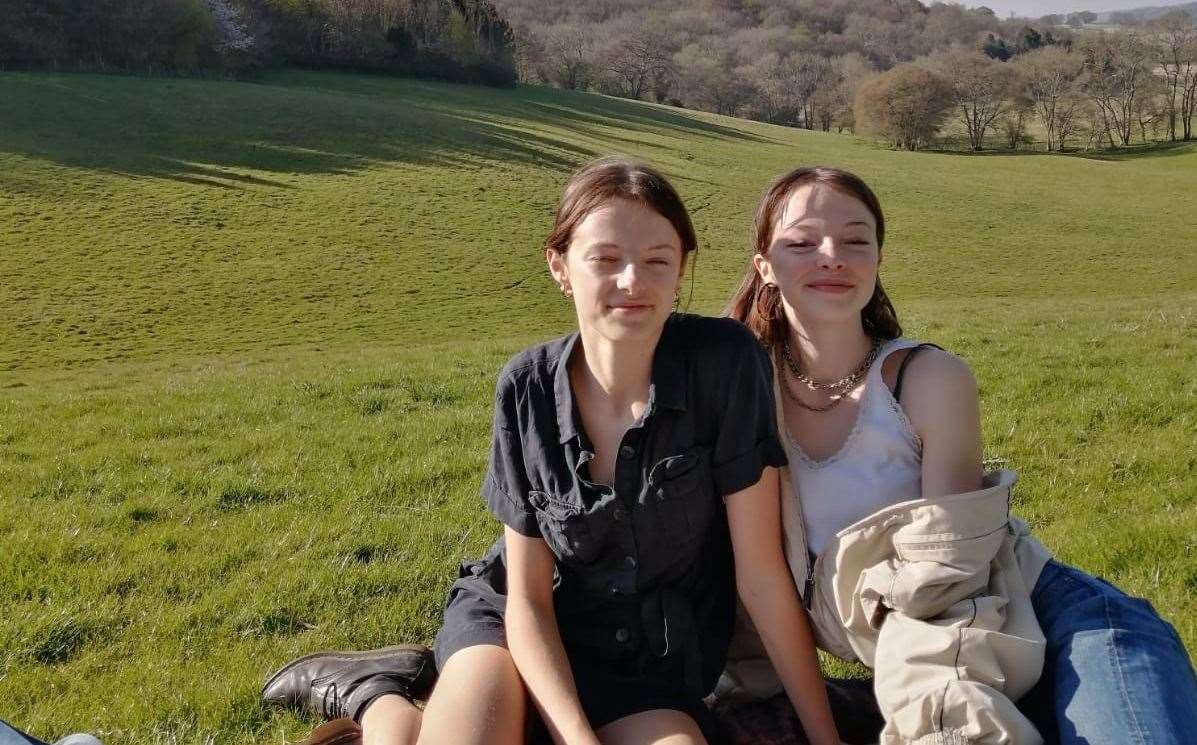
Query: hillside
[[248, 334]]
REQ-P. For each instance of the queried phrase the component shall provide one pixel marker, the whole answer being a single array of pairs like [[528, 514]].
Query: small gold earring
[[566, 291]]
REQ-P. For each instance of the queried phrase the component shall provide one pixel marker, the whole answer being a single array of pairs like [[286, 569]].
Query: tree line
[[1108, 89], [462, 40], [894, 68], [897, 69]]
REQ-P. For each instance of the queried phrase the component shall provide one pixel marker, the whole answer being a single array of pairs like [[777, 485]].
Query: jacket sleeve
[[953, 677], [957, 641]]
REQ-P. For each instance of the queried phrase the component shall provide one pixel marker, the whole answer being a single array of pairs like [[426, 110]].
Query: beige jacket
[[934, 596]]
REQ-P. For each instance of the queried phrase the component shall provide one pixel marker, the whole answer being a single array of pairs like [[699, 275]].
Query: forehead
[[820, 203], [626, 224]]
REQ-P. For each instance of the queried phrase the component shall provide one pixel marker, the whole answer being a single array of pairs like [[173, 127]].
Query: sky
[[1036, 8]]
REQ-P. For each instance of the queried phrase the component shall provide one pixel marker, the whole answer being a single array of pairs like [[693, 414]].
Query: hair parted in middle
[[758, 305], [606, 179]]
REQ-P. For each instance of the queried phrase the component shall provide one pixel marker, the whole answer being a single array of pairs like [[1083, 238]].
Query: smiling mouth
[[831, 286]]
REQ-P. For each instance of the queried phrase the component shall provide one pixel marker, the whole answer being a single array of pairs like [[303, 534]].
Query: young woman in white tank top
[[871, 420]]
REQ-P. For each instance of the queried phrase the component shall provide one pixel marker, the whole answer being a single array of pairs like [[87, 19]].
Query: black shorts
[[474, 615]]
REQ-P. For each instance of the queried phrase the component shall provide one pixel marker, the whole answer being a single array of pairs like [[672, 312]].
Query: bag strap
[[906, 361]]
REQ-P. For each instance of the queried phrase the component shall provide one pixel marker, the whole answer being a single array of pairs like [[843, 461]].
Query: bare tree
[[567, 56], [1014, 119], [1050, 76], [637, 60], [981, 87], [850, 72], [1117, 65], [709, 79], [1173, 39]]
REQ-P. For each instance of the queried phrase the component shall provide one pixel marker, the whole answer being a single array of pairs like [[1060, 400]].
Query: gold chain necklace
[[839, 389]]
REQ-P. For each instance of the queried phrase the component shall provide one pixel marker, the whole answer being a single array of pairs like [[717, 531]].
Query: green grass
[[248, 334]]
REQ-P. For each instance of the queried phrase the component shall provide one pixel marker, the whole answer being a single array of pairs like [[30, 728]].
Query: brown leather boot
[[335, 732]]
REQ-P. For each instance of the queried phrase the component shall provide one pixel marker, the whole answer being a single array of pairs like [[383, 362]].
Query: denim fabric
[[1116, 673], [10, 736]]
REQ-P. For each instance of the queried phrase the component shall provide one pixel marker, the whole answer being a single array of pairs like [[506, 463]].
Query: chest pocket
[[566, 527], [681, 494]]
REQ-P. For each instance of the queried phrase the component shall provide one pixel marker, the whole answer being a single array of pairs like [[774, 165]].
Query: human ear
[[764, 268], [557, 268]]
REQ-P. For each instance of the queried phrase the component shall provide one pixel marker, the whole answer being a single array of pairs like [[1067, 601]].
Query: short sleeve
[[506, 485], [746, 442]]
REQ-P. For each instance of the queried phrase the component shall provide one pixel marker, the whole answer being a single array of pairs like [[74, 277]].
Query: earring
[[566, 291], [677, 299], [766, 302]]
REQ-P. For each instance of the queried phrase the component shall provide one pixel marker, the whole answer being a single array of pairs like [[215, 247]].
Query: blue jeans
[[10, 736], [1115, 672]]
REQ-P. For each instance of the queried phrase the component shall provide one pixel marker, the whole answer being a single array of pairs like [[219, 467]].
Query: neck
[[829, 350], [620, 371]]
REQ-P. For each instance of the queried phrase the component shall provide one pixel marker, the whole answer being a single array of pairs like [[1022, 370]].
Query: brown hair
[[605, 179], [758, 306]]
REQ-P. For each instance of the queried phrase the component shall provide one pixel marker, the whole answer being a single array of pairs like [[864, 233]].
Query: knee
[[484, 674], [479, 698]]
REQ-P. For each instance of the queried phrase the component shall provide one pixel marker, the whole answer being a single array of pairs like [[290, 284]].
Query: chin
[[632, 329], [832, 312]]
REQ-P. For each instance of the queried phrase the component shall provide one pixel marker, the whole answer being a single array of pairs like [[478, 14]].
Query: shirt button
[[613, 589], [617, 514], [626, 452], [622, 635], [630, 561]]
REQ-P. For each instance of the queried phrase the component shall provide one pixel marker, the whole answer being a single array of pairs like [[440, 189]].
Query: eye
[[602, 259], [659, 262]]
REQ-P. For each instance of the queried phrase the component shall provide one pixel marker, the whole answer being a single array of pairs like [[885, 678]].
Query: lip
[[630, 308], [832, 286]]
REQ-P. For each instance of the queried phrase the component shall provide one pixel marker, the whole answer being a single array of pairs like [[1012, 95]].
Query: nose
[[628, 278], [829, 254]]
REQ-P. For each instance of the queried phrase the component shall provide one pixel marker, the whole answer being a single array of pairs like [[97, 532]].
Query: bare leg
[[391, 720], [657, 727], [479, 699]]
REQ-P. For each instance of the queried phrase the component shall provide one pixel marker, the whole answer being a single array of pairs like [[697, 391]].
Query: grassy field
[[248, 334]]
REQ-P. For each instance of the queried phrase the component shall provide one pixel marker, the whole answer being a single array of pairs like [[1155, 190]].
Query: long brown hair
[[600, 181], [758, 305]]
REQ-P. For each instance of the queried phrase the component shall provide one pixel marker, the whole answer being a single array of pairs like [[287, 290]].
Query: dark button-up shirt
[[643, 564]]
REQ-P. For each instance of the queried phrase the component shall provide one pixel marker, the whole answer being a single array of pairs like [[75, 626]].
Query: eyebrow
[[608, 244], [798, 223]]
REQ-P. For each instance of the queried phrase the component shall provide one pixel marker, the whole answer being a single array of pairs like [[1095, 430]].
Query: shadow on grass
[[1134, 152], [294, 123]]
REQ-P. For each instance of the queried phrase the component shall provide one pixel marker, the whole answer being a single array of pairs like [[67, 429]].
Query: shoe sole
[[346, 656]]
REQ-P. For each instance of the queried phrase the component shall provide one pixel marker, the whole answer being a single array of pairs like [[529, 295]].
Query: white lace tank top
[[878, 465]]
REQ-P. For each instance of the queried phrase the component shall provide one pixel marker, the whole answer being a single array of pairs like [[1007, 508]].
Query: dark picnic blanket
[[773, 721]]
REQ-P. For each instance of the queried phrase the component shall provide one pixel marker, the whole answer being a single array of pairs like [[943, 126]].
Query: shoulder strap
[[906, 361]]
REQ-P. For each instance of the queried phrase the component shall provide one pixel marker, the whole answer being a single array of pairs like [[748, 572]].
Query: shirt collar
[[667, 386], [563, 393]]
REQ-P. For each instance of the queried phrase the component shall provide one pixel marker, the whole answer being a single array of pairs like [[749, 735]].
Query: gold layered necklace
[[836, 390]]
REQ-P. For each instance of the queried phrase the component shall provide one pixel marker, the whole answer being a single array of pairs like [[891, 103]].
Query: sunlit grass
[[249, 331]]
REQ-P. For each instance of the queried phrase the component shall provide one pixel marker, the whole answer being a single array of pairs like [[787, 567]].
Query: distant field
[[248, 334]]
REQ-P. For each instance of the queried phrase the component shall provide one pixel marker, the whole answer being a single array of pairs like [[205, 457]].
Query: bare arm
[[535, 640], [940, 398], [767, 590]]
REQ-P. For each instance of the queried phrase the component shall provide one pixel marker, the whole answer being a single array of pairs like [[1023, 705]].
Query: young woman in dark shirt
[[629, 461]]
